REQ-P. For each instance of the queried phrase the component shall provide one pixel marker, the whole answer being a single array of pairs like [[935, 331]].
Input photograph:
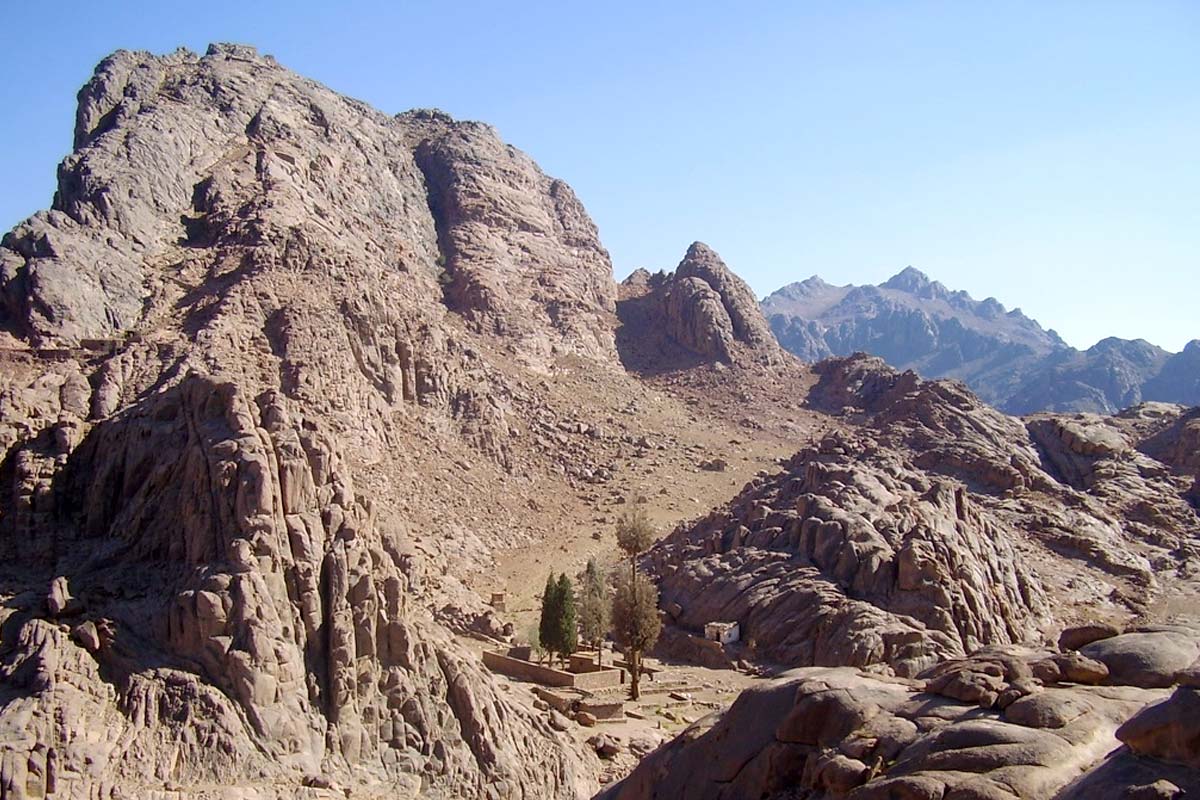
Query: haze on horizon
[[1040, 154]]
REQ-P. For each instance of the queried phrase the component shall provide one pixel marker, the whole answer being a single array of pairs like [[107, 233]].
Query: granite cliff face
[[1006, 358], [521, 256], [248, 290]]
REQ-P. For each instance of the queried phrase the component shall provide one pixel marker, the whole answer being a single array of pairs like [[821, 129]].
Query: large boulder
[[1169, 731], [1149, 658], [1076, 637], [841, 733]]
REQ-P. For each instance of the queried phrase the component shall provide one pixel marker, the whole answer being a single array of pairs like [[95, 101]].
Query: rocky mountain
[[918, 569], [699, 313], [238, 298], [925, 531], [288, 386], [1008, 359]]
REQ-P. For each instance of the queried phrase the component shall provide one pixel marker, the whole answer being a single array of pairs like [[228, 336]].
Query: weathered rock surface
[[915, 535], [1076, 637], [1148, 657], [701, 312], [1159, 759], [521, 256], [250, 290], [1009, 360], [1169, 731], [841, 733]]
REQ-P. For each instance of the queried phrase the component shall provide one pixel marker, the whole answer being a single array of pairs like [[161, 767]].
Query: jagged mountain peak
[[914, 322], [178, 153], [908, 279], [702, 312], [915, 282], [798, 290], [640, 277]]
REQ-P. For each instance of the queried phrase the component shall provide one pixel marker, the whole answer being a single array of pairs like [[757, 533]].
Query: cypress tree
[[568, 630], [594, 608], [547, 626]]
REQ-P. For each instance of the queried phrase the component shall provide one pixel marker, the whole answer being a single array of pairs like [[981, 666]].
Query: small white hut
[[723, 632]]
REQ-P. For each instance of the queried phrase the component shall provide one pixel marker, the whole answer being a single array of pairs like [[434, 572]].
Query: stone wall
[[584, 662], [547, 676], [601, 679], [526, 670]]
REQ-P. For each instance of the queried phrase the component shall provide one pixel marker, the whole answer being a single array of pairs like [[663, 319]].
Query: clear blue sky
[[1044, 153]]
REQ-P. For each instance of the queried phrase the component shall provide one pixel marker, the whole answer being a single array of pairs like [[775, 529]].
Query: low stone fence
[[613, 709], [548, 676], [526, 670], [600, 679], [559, 702]]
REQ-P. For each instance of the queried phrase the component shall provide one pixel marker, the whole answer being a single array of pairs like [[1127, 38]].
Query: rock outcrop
[[840, 733], [521, 257], [700, 313], [1009, 360], [918, 533], [1169, 730]]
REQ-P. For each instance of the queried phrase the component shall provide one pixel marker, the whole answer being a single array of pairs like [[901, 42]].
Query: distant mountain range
[[1007, 358]]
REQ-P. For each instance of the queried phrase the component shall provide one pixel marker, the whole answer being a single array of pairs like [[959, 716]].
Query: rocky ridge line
[[1008, 359]]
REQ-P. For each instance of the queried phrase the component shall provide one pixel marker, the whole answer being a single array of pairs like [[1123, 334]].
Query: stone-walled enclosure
[[506, 664]]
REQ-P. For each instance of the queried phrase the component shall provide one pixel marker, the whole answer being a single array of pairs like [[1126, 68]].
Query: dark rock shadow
[[643, 346]]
